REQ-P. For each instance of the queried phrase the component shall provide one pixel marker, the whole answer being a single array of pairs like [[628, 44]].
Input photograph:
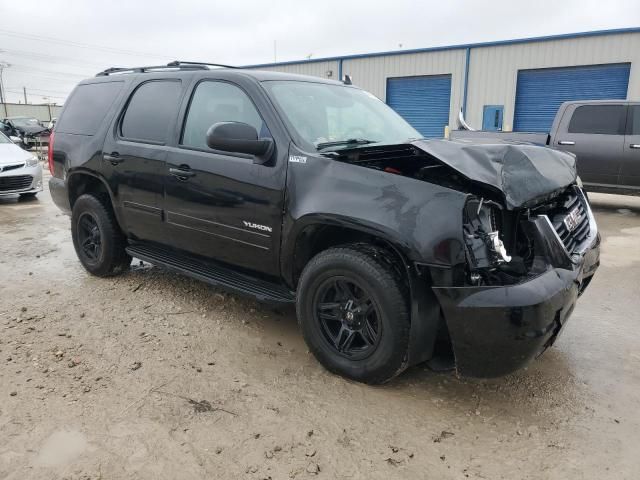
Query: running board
[[212, 274]]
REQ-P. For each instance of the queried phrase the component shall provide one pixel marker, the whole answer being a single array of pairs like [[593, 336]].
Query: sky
[[51, 45]]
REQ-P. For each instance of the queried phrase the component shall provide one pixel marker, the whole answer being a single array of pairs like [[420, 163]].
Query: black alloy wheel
[[348, 317], [89, 236], [353, 308]]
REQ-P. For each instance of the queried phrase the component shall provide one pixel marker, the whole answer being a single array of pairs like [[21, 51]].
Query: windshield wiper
[[347, 142]]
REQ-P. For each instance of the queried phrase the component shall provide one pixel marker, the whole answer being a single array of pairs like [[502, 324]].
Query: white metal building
[[509, 85]]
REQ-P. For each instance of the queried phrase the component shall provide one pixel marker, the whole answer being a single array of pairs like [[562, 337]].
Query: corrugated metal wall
[[41, 112], [493, 70], [372, 73], [317, 69]]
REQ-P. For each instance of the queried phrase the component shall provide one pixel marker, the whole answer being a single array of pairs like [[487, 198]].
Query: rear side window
[[87, 107], [215, 102], [598, 119], [150, 111]]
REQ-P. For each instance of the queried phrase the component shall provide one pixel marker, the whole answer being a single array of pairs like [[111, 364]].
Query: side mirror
[[239, 137]]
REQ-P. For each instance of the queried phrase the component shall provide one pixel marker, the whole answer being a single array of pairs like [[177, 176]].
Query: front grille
[[6, 168], [18, 182], [572, 231]]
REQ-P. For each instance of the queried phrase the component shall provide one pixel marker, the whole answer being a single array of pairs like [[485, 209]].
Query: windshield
[[25, 122], [329, 117]]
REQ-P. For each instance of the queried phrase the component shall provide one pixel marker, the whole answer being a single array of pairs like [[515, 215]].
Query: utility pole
[[274, 52], [24, 89], [3, 65]]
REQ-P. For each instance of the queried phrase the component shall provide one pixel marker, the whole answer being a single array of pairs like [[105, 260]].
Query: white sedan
[[20, 171]]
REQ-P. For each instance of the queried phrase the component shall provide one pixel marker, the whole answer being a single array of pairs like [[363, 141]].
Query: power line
[[79, 44], [27, 68], [44, 90], [28, 90], [49, 58], [55, 79]]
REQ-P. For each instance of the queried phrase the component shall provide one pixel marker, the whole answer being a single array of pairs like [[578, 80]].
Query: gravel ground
[[151, 375]]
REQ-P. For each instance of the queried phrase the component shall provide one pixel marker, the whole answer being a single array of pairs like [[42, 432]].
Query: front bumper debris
[[496, 330]]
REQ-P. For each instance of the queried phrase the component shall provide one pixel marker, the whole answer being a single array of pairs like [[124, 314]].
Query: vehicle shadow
[[16, 199], [621, 204]]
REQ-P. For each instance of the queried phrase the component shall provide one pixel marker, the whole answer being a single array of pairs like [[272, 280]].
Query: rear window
[[598, 119], [87, 107], [150, 110]]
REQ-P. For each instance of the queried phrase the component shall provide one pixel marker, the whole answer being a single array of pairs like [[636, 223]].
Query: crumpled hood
[[32, 130], [523, 172]]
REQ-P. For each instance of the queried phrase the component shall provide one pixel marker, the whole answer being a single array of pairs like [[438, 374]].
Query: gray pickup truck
[[603, 134]]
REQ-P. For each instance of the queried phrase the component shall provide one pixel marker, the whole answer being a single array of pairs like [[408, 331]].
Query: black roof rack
[[175, 65], [180, 63]]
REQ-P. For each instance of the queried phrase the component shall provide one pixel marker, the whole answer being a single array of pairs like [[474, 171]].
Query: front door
[[630, 171], [223, 205], [134, 154], [595, 134]]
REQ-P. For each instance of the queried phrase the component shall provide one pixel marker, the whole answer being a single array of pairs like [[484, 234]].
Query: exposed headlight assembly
[[482, 235]]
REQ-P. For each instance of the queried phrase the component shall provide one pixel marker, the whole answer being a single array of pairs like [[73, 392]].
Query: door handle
[[113, 157], [634, 145], [181, 174], [566, 142]]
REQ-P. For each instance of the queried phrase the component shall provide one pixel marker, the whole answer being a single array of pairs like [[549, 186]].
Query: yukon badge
[[255, 226], [297, 159]]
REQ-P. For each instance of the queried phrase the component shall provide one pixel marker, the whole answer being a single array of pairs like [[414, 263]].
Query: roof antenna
[[347, 80]]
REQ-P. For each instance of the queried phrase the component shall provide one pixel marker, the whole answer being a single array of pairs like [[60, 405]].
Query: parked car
[[29, 130], [20, 171], [603, 134], [294, 189]]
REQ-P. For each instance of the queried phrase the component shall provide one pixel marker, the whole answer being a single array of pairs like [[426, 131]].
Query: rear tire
[[97, 238], [353, 309]]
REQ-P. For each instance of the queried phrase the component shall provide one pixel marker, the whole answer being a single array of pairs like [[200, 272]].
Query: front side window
[[215, 102], [325, 114], [150, 111], [598, 119]]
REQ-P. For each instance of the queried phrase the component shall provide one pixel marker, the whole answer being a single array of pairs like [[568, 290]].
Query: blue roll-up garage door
[[422, 101], [539, 93]]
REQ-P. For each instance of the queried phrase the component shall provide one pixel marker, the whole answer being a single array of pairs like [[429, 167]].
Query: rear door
[[219, 204], [630, 171], [134, 155], [595, 133]]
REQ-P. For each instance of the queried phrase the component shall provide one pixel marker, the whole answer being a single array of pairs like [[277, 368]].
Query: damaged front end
[[527, 246], [525, 270]]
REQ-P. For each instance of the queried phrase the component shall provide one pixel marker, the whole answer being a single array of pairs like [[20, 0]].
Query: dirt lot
[[152, 375]]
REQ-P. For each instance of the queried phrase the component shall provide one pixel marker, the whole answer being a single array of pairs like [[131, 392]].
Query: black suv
[[291, 189]]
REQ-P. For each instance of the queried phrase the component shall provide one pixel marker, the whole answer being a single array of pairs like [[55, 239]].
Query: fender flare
[[424, 305], [91, 173]]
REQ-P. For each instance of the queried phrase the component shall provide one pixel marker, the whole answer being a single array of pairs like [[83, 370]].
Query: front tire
[[353, 310], [97, 238]]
